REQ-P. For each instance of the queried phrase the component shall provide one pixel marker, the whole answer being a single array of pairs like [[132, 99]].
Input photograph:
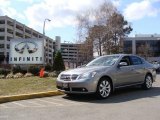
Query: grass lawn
[[26, 85]]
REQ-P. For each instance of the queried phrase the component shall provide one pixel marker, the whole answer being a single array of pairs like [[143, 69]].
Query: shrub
[[16, 69], [52, 74], [58, 62], [28, 75], [48, 67], [34, 70], [2, 76], [18, 75], [4, 72], [10, 75], [45, 74]]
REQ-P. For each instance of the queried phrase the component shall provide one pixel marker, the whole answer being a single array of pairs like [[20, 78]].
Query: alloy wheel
[[148, 82], [104, 88]]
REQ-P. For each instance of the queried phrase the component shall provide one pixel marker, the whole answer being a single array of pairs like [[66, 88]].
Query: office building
[[145, 45], [12, 29]]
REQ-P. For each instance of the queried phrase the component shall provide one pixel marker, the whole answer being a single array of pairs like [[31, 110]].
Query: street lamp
[[67, 52], [44, 25], [44, 36]]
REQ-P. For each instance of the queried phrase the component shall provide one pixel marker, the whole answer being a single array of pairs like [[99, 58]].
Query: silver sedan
[[106, 73]]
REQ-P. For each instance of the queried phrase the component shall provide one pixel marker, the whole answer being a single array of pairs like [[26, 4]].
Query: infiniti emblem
[[31, 47]]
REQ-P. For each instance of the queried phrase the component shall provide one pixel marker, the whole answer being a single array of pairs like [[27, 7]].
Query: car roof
[[121, 55]]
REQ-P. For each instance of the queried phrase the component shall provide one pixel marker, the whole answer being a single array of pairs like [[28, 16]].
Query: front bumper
[[79, 87]]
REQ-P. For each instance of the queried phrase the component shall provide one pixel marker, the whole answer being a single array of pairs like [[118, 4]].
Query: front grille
[[73, 89], [79, 90], [68, 77]]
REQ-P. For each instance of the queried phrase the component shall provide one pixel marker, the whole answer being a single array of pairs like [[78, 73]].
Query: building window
[[1, 29], [128, 47], [1, 53], [1, 37], [8, 46], [2, 22], [8, 38], [1, 45], [148, 48]]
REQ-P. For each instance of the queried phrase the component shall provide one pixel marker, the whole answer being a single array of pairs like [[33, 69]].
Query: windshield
[[103, 61]]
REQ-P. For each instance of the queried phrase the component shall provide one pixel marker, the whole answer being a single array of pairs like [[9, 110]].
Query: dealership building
[[12, 29], [141, 43]]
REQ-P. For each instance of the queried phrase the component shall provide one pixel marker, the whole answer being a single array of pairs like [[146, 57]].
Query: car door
[[124, 74], [138, 69]]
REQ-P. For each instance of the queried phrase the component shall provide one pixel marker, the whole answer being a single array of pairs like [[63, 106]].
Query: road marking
[[70, 102], [58, 104], [19, 104], [3, 117], [4, 106], [35, 103]]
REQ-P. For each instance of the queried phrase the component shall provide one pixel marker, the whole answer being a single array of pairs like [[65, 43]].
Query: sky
[[143, 15]]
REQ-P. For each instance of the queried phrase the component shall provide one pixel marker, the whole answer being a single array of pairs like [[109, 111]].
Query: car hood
[[86, 69]]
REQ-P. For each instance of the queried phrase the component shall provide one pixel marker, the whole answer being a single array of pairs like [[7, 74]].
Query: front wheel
[[104, 88], [147, 82]]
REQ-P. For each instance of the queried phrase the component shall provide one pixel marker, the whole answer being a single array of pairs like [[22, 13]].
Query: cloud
[[61, 12], [139, 10], [7, 9], [4, 3], [116, 3], [28, 1]]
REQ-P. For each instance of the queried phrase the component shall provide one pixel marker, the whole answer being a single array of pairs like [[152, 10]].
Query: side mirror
[[81, 66], [122, 64]]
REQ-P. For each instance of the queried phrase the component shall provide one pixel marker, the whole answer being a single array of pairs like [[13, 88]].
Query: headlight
[[59, 76], [87, 75]]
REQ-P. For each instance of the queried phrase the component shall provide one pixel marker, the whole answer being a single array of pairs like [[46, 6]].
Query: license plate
[[65, 85]]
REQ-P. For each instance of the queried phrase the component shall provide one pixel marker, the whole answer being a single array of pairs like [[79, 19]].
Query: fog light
[[83, 89]]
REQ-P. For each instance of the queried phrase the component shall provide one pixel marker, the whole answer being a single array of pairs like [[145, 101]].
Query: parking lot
[[125, 104]]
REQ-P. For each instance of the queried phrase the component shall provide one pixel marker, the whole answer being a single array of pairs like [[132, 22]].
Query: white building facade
[[144, 42], [12, 29]]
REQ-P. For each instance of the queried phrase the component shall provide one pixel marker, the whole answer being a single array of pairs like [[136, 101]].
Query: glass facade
[[149, 47], [128, 47]]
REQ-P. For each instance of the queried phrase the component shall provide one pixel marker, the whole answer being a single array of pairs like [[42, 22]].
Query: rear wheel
[[104, 88], [148, 82], [70, 94]]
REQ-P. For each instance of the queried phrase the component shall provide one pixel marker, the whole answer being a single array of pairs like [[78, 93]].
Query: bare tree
[[143, 50], [104, 26], [85, 52], [118, 28], [92, 24]]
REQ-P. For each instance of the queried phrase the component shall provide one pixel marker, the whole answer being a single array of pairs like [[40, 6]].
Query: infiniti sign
[[26, 51], [30, 46]]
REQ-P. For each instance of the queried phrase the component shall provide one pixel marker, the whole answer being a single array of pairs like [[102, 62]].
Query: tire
[[104, 88], [147, 82], [69, 94]]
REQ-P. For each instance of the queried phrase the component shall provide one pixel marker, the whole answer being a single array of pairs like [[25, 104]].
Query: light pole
[[67, 42], [44, 37], [44, 25]]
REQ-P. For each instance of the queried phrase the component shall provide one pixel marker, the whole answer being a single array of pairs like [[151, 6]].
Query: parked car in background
[[106, 73], [156, 66]]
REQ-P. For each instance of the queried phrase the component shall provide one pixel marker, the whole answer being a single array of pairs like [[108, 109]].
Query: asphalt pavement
[[125, 104]]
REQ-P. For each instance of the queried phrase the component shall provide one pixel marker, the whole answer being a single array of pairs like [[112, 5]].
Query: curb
[[4, 99]]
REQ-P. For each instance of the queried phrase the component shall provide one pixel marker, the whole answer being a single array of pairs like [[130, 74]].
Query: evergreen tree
[[58, 62]]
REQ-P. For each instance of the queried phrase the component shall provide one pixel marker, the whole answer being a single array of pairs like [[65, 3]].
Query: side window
[[126, 59], [136, 60]]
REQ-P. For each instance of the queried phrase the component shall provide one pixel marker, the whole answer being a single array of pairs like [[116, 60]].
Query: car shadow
[[121, 95]]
